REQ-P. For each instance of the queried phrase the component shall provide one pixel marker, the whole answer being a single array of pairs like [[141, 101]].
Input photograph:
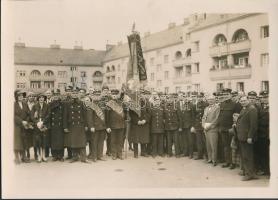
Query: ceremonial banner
[[97, 109], [116, 107]]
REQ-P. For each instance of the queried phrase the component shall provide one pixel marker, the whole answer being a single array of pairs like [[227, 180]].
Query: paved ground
[[53, 179]]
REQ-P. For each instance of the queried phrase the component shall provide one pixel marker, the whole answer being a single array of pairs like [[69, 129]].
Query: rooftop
[[56, 56]]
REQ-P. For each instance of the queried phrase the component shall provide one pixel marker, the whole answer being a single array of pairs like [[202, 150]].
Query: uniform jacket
[[263, 123], [115, 120], [186, 114], [172, 120], [94, 121], [198, 110], [227, 109], [157, 120], [247, 123]]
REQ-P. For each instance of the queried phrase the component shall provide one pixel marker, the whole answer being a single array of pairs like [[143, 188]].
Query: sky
[[94, 23]]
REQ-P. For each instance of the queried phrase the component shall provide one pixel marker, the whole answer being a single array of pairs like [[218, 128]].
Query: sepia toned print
[[183, 107]]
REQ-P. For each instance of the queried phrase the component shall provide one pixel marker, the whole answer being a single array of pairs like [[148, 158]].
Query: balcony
[[42, 78], [240, 47], [230, 48], [230, 73], [178, 62]]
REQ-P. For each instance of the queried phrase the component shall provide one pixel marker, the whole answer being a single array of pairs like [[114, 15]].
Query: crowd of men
[[225, 127]]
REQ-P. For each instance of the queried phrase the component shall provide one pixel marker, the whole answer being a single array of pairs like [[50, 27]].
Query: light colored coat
[[210, 117]]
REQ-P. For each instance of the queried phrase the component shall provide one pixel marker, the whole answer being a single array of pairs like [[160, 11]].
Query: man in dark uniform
[[246, 128], [116, 124], [199, 107], [172, 124], [157, 126], [56, 131], [74, 123], [96, 118], [186, 114], [261, 146], [225, 122]]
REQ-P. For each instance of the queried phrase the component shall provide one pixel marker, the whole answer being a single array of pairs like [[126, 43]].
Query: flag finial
[[133, 27]]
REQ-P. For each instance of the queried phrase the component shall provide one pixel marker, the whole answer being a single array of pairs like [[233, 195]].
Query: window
[[62, 74], [108, 80], [223, 63], [230, 85], [187, 70], [72, 68], [197, 46], [241, 60], [83, 74], [35, 84], [62, 85], [107, 69], [219, 86], [119, 80], [178, 89], [166, 75], [113, 68], [265, 86], [20, 85], [152, 76], [240, 86], [152, 61], [264, 31], [158, 68], [21, 73], [179, 72], [240, 35], [188, 53], [97, 74], [159, 83], [48, 73], [35, 73], [197, 87], [73, 79], [48, 84], [119, 67], [197, 67], [113, 79], [166, 58], [178, 55], [264, 59], [166, 90]]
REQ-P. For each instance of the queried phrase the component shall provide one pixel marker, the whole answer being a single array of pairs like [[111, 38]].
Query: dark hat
[[68, 88], [264, 93], [194, 93], [201, 94], [56, 92], [234, 93], [19, 92], [42, 95], [226, 90], [82, 90], [217, 94], [252, 93], [105, 87], [115, 91], [96, 92]]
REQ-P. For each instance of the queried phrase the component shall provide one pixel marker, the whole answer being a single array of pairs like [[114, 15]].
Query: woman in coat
[[21, 118]]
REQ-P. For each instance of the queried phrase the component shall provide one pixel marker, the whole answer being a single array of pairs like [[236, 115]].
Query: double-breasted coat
[[56, 129], [172, 120], [157, 120], [186, 114], [75, 121]]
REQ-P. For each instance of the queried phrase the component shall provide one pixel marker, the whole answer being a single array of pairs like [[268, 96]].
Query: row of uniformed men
[[164, 122]]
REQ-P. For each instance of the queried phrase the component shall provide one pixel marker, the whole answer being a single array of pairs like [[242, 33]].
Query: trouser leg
[[247, 151], [135, 146], [190, 137], [154, 144], [226, 141], [199, 141], [169, 143], [100, 144], [176, 137]]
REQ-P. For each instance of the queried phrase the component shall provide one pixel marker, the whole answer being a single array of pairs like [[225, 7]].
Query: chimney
[[55, 46], [171, 25], [146, 34], [77, 47], [109, 46], [19, 44]]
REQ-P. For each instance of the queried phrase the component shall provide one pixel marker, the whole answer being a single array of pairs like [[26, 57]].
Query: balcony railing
[[42, 78], [230, 48], [182, 80], [231, 72]]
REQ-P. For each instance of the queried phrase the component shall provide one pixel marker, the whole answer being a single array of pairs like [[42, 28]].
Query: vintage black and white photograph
[[137, 99]]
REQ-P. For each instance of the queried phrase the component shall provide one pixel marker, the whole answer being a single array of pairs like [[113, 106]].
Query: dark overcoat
[[19, 131], [56, 128], [186, 114], [139, 133], [75, 121]]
